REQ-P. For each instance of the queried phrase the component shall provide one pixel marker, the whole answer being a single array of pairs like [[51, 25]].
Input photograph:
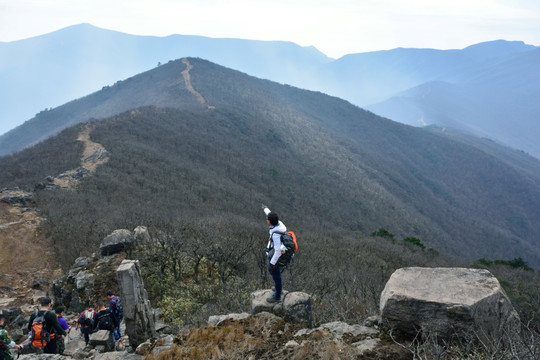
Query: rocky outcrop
[[446, 302], [295, 307], [138, 314], [16, 196], [90, 277], [87, 281]]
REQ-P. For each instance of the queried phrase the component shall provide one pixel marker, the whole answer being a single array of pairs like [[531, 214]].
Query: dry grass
[[264, 339], [26, 254]]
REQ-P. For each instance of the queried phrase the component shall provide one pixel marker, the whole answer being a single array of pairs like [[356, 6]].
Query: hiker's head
[[110, 294], [59, 310], [273, 218], [46, 302], [100, 305], [2, 319]]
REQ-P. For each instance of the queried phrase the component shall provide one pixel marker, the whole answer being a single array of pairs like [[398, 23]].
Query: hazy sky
[[335, 27]]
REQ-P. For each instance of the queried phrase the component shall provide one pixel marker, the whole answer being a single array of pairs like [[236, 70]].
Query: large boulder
[[102, 338], [295, 307], [122, 240], [446, 302], [138, 314], [118, 241]]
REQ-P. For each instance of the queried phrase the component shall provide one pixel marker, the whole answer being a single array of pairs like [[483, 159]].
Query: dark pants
[[276, 275], [50, 348], [86, 333], [61, 345]]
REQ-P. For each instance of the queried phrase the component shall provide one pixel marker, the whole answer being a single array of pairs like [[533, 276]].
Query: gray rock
[[76, 174], [367, 344], [38, 295], [217, 319], [11, 313], [80, 262], [373, 321], [117, 241], [292, 343], [102, 338], [39, 283], [259, 303], [138, 314], [339, 328], [16, 196], [84, 279], [295, 307], [446, 302], [144, 348], [74, 343], [81, 354], [141, 234], [118, 355]]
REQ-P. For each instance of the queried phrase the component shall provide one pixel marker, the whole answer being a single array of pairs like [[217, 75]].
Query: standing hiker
[[274, 251], [86, 322], [115, 304], [61, 346], [6, 344], [43, 325]]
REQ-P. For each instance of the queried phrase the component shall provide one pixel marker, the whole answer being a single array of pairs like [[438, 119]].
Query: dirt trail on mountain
[[94, 154], [189, 86]]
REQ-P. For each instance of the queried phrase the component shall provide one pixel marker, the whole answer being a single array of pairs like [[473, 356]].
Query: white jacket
[[275, 237]]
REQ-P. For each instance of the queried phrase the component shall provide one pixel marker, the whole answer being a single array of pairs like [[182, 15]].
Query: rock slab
[[446, 302], [138, 314]]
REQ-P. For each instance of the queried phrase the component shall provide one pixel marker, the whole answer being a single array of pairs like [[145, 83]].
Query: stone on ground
[[446, 302]]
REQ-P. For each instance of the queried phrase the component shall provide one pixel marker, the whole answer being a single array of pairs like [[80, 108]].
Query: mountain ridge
[[86, 58], [367, 172]]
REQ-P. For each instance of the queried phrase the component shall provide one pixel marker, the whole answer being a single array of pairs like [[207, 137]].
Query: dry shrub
[[229, 341]]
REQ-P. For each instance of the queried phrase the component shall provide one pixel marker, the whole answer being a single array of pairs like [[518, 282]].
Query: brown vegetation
[[26, 254]]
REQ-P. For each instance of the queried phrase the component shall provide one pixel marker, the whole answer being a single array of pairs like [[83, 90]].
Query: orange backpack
[[39, 336]]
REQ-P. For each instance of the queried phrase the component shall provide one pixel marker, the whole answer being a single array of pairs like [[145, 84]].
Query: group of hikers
[[47, 329]]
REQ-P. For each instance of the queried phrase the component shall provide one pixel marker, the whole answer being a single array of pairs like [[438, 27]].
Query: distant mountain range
[[191, 139], [49, 70], [488, 89]]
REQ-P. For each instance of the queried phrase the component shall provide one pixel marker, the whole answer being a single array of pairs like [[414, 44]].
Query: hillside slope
[[319, 160]]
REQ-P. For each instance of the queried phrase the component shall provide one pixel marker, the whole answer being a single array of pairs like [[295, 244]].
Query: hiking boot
[[273, 299]]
